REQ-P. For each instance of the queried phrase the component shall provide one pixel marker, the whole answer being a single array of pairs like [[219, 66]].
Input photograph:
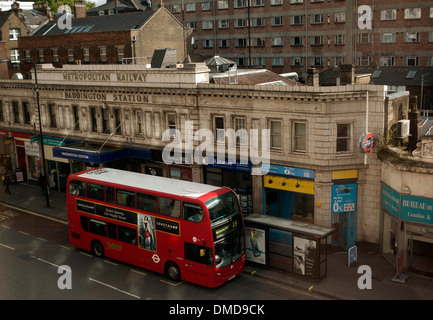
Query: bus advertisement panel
[[189, 231]]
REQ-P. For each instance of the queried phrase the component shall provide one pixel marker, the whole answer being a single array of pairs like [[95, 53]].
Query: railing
[[135, 60], [426, 113]]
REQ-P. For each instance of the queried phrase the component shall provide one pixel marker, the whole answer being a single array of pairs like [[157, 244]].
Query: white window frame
[[389, 14], [349, 139], [412, 13], [276, 133], [14, 34], [296, 145]]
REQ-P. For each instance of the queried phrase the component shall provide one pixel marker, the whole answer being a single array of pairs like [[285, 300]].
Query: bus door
[[198, 262]]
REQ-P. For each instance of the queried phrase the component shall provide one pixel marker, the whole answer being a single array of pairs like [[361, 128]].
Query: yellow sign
[[288, 184], [345, 174]]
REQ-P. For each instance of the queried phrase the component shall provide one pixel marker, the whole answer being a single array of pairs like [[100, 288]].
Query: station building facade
[[116, 115]]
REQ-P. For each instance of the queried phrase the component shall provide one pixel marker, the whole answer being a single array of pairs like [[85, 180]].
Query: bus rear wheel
[[173, 271], [97, 248]]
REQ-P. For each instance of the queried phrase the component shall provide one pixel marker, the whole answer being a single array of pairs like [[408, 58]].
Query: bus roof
[[145, 181]]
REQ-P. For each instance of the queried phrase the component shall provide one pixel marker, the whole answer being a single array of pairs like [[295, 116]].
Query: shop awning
[[97, 153]]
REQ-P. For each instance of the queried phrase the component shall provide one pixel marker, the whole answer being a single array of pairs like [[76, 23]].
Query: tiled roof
[[403, 76], [107, 23]]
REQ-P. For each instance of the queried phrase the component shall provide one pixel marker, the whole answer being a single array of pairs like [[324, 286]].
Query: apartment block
[[295, 35]]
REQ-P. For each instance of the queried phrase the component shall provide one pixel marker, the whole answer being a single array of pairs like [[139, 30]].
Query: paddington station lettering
[[115, 97]]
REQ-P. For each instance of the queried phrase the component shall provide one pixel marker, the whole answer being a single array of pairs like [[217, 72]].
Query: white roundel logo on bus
[[194, 239], [155, 258]]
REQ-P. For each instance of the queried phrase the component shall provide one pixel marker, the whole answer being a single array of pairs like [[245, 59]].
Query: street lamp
[[44, 171], [41, 137]]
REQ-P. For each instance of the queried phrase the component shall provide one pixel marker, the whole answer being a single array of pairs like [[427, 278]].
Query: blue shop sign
[[228, 165], [344, 197], [417, 209], [287, 171], [390, 200]]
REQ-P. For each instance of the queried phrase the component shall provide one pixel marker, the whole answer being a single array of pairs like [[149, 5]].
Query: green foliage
[[55, 4]]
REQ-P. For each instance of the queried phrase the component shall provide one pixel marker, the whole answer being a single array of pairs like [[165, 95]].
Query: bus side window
[[192, 212], [169, 207], [95, 191], [125, 198], [127, 235], [98, 227], [77, 188], [146, 202], [109, 195], [198, 254]]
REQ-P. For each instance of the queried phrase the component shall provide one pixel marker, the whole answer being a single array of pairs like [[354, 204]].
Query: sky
[[99, 2]]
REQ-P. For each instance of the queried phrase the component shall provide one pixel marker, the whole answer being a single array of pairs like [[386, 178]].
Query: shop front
[[289, 193], [344, 196], [407, 231], [85, 155], [5, 152], [234, 175]]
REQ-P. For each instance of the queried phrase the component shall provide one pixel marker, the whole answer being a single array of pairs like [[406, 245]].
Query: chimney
[[347, 74], [43, 8], [313, 77], [79, 9], [415, 129], [16, 8]]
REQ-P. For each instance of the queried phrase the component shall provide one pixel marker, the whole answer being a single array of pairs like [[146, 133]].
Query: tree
[[55, 4]]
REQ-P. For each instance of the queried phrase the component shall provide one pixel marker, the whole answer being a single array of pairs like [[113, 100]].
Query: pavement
[[341, 281]]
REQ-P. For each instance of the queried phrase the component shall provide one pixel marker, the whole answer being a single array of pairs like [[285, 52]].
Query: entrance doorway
[[345, 223], [420, 255]]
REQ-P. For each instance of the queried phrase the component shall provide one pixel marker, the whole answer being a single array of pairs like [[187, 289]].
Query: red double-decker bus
[[187, 230]]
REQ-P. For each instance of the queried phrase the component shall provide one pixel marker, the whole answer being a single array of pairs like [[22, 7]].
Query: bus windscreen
[[222, 206]]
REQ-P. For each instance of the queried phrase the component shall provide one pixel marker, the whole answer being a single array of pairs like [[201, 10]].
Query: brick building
[[12, 27], [112, 39], [295, 35]]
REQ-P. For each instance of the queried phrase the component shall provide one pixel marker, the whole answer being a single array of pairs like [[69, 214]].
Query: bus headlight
[[217, 259]]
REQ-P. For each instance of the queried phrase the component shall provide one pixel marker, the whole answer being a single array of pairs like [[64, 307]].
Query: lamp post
[[41, 140]]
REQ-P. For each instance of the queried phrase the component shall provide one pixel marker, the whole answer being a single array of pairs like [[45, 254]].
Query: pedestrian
[[43, 184], [7, 182]]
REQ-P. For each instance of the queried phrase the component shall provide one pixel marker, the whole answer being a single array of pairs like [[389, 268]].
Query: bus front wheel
[[97, 249], [173, 271]]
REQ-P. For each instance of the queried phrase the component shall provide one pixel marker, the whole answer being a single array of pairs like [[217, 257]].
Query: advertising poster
[[344, 197], [305, 257], [256, 245], [146, 232]]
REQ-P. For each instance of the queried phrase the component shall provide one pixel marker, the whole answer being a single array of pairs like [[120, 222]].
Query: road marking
[[42, 239], [139, 272], [64, 247], [33, 213], [86, 254], [3, 245], [114, 288], [114, 264], [171, 283], [52, 264], [24, 233]]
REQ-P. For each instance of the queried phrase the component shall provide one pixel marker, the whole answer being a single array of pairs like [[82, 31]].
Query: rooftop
[[117, 22]]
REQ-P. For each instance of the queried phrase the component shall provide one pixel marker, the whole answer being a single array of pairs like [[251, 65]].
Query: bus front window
[[229, 250], [223, 206]]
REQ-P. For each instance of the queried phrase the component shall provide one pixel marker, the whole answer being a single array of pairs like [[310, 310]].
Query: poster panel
[[305, 257], [256, 245]]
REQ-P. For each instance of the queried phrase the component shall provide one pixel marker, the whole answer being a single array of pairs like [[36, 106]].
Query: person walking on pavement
[[7, 182]]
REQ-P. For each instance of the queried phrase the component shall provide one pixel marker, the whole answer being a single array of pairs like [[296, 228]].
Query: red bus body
[[125, 216]]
